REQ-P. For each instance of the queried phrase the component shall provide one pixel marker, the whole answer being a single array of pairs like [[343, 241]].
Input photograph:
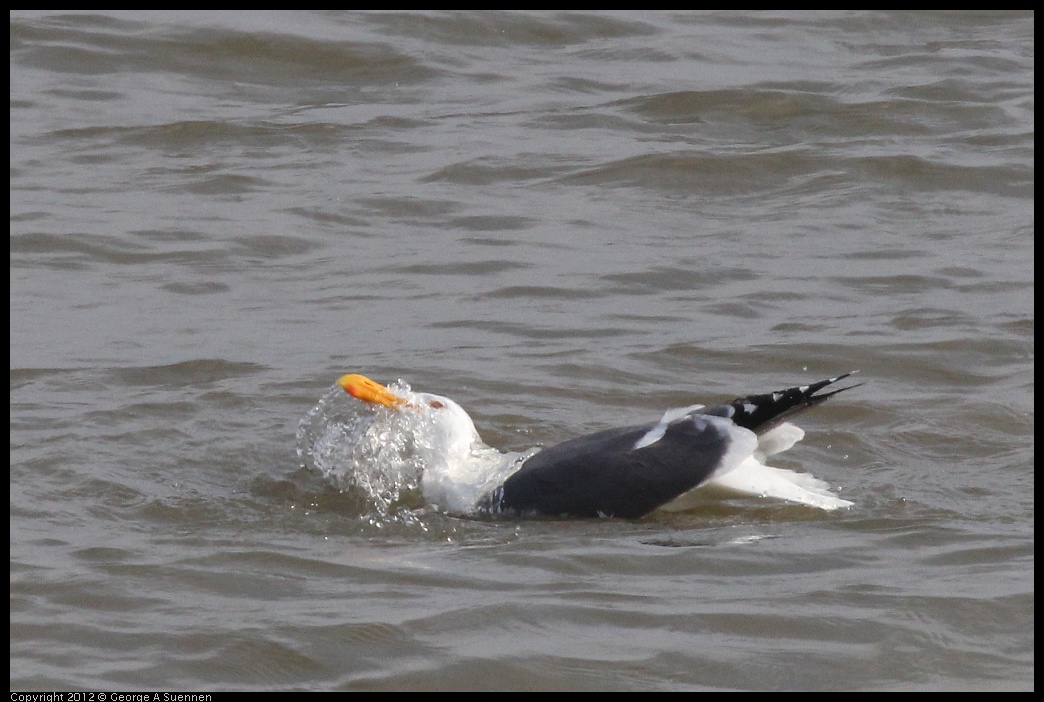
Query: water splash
[[364, 450], [397, 462]]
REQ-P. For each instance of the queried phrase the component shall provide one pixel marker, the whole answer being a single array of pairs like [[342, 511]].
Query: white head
[[454, 457], [453, 432]]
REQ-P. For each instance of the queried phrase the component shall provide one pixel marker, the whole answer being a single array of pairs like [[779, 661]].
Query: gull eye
[[436, 404]]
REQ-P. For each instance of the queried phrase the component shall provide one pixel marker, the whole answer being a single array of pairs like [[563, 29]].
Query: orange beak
[[363, 388]]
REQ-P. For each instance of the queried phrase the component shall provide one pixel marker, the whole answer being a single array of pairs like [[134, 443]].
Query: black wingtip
[[816, 387], [762, 413], [834, 380]]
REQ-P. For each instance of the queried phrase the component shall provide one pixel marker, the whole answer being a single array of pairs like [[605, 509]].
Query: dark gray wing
[[604, 475], [630, 471]]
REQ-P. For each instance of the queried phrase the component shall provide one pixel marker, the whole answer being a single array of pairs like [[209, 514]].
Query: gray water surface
[[566, 222]]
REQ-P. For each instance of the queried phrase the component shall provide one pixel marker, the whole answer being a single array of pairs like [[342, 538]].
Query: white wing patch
[[656, 433], [743, 471], [754, 478], [778, 440]]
